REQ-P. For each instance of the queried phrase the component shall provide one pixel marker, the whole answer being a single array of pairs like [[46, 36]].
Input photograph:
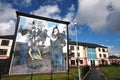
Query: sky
[[98, 21]]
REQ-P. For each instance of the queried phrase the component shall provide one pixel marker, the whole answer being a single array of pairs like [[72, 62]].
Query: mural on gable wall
[[40, 47]]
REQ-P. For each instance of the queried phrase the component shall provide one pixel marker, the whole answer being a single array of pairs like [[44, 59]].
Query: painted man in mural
[[57, 43]]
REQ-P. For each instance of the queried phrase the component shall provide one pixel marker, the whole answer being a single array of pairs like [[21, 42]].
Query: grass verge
[[73, 75], [112, 72]]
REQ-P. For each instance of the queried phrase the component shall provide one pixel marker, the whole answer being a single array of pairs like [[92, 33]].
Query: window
[[72, 47], [99, 49], [100, 55], [5, 42], [91, 50], [103, 50], [78, 54], [3, 51], [104, 55], [72, 62], [72, 54], [77, 47], [81, 61]]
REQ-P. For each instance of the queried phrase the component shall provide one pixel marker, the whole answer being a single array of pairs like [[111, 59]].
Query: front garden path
[[95, 74]]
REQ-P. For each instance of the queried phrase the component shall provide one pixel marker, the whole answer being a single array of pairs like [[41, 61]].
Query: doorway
[[92, 62]]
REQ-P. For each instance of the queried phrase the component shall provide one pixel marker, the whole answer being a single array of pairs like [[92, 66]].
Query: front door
[[92, 62]]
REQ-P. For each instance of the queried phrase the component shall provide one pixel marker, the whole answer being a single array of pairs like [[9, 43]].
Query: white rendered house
[[5, 48], [88, 54]]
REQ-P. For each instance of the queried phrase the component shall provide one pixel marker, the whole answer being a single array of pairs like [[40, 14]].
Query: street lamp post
[[78, 60]]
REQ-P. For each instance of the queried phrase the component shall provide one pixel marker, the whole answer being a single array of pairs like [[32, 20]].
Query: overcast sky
[[98, 21]]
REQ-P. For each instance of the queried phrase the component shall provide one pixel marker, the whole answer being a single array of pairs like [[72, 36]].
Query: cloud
[[27, 1], [99, 14], [70, 17], [113, 51], [53, 1], [71, 14], [114, 16], [7, 28], [93, 13], [53, 11], [7, 17], [6, 12], [21, 3], [50, 11]]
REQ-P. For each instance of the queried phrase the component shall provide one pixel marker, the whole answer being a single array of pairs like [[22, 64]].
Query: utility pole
[[78, 60]]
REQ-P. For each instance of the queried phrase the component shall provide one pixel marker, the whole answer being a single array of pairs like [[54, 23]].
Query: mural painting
[[40, 47]]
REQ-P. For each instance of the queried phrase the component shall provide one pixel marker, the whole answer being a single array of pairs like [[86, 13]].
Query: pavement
[[95, 74]]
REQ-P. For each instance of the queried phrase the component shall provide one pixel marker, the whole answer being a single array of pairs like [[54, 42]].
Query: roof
[[92, 45], [114, 57], [7, 36]]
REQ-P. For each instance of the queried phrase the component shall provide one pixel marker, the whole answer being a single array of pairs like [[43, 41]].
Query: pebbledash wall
[[88, 54]]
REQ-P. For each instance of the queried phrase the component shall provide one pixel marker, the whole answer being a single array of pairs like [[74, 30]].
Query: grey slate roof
[[7, 36]]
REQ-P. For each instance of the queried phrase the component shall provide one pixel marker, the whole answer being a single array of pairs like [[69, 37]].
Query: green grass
[[112, 72], [55, 76], [73, 75]]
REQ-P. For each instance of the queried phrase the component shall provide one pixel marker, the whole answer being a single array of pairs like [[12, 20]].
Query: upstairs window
[[5, 43], [99, 49], [104, 55], [71, 47], [103, 50], [77, 47], [78, 54], [100, 55], [72, 54]]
